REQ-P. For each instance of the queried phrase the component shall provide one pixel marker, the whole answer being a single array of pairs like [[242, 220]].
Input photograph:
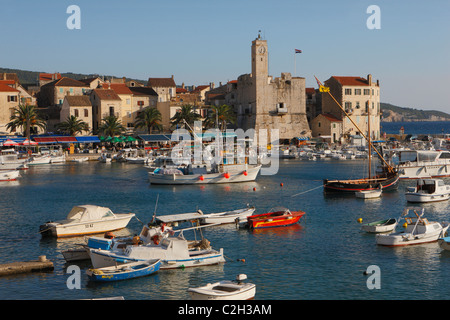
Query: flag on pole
[[322, 88], [298, 51]]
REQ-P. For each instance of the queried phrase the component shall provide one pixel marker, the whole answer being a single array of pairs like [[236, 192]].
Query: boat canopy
[[89, 212]]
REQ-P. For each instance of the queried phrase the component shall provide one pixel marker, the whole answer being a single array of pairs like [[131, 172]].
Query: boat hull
[[249, 174], [272, 220], [421, 197], [424, 171], [228, 217], [444, 243], [356, 185], [124, 272]]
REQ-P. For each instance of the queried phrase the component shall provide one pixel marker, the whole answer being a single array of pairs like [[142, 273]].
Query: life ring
[[155, 239]]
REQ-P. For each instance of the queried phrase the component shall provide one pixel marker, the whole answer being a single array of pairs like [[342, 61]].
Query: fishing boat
[[86, 219], [380, 226], [10, 175], [388, 177], [225, 290], [277, 217], [174, 251], [369, 194], [204, 174], [428, 190], [418, 230], [124, 271]]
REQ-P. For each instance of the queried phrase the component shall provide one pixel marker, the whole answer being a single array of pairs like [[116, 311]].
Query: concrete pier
[[42, 264]]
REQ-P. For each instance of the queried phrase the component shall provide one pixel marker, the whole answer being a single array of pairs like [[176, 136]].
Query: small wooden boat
[[380, 226], [227, 216], [276, 218], [124, 271], [369, 193], [444, 243], [225, 290]]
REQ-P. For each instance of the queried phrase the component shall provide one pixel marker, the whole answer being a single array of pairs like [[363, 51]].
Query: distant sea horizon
[[416, 127]]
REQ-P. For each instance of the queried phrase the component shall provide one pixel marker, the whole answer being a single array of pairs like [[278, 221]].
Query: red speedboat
[[279, 218]]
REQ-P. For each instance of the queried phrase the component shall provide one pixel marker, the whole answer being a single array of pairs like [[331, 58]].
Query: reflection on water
[[323, 257]]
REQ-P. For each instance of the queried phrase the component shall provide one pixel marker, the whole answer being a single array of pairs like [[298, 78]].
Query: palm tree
[[111, 126], [73, 125], [25, 117], [220, 116], [186, 113], [149, 118]]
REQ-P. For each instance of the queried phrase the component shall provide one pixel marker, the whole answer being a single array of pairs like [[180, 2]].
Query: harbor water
[[323, 257], [417, 127]]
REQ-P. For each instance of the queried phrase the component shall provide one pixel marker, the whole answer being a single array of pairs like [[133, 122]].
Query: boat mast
[[368, 131], [322, 88]]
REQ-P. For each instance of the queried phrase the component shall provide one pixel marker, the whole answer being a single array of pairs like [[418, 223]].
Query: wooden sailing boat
[[388, 179]]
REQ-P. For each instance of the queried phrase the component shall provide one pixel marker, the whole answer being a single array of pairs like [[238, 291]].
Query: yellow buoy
[[360, 220], [405, 225]]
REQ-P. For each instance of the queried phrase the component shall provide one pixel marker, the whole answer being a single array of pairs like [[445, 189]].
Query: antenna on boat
[[323, 88], [154, 212]]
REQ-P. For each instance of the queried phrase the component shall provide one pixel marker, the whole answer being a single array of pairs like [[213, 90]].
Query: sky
[[203, 41]]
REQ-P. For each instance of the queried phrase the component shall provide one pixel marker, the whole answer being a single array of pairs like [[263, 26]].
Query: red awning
[[45, 140], [66, 139]]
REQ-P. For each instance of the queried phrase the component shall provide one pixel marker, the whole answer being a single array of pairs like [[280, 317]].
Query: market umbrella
[[109, 139], [116, 139], [130, 139]]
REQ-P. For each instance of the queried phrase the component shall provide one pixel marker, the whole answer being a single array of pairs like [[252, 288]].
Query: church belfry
[[260, 61]]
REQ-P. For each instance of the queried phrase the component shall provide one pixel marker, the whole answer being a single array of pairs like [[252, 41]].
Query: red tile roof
[[310, 90], [330, 117], [49, 76], [6, 88], [161, 82], [106, 94], [119, 88], [351, 81]]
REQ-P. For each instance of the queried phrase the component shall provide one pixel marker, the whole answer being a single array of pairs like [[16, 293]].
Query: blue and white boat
[[124, 271], [174, 252]]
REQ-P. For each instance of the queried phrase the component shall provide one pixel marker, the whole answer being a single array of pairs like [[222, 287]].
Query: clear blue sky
[[202, 41]]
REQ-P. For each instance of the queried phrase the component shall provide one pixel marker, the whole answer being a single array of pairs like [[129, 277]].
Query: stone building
[[105, 102], [78, 106], [164, 87], [264, 102], [327, 126], [53, 93], [9, 99], [360, 98]]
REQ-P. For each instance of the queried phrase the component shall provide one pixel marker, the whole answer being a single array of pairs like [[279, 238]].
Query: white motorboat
[[428, 190], [57, 158], [36, 160], [380, 226], [415, 164], [9, 160], [86, 219], [418, 230], [10, 175], [202, 175], [369, 194], [174, 252], [225, 290]]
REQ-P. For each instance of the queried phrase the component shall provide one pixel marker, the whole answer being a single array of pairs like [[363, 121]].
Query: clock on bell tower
[[260, 65]]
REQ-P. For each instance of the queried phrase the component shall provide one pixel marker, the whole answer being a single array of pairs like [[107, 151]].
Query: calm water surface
[[324, 257]]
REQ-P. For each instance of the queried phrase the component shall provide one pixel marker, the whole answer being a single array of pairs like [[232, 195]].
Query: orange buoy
[[281, 184], [254, 188], [201, 178], [226, 175], [245, 173]]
